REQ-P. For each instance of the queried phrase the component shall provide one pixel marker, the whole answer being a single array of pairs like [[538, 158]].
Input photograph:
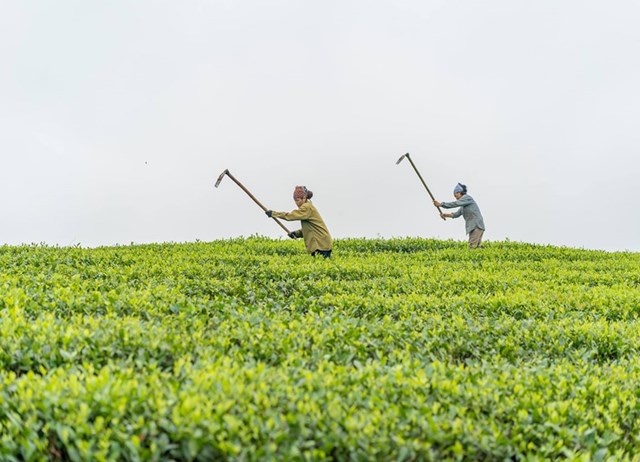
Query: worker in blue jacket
[[474, 223]]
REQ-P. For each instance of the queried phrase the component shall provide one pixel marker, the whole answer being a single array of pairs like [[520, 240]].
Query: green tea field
[[249, 349]]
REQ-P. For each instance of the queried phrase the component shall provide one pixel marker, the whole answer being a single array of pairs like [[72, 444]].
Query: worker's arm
[[466, 200], [303, 213]]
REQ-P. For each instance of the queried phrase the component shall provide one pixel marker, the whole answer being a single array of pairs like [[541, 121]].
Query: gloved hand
[[269, 213], [292, 235]]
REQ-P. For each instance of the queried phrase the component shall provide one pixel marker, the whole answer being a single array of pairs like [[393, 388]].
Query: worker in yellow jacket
[[315, 233]]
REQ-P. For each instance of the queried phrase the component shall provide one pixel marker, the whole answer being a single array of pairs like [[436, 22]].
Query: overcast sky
[[117, 117]]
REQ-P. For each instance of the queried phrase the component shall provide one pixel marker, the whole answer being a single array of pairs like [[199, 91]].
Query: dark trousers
[[324, 253]]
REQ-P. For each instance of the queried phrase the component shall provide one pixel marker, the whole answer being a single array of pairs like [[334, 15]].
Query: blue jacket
[[469, 210]]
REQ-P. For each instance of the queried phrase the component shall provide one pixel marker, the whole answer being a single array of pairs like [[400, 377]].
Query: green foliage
[[248, 349]]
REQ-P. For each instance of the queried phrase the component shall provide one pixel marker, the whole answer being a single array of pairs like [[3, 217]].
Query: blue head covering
[[460, 188]]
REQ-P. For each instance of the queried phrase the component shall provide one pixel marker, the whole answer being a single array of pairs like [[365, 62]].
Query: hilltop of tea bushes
[[249, 349]]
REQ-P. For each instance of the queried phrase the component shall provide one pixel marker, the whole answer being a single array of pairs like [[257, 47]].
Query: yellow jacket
[[314, 231]]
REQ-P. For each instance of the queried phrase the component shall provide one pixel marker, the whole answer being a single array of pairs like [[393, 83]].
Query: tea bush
[[248, 349]]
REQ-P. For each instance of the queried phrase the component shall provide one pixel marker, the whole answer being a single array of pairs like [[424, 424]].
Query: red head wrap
[[300, 192]]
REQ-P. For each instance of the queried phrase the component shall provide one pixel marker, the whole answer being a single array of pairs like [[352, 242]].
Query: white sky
[[117, 117]]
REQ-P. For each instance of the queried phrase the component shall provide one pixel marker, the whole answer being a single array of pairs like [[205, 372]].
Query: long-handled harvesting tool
[[228, 173], [419, 176]]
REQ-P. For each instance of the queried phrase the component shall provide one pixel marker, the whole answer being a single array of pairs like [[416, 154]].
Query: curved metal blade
[[221, 177], [401, 158]]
